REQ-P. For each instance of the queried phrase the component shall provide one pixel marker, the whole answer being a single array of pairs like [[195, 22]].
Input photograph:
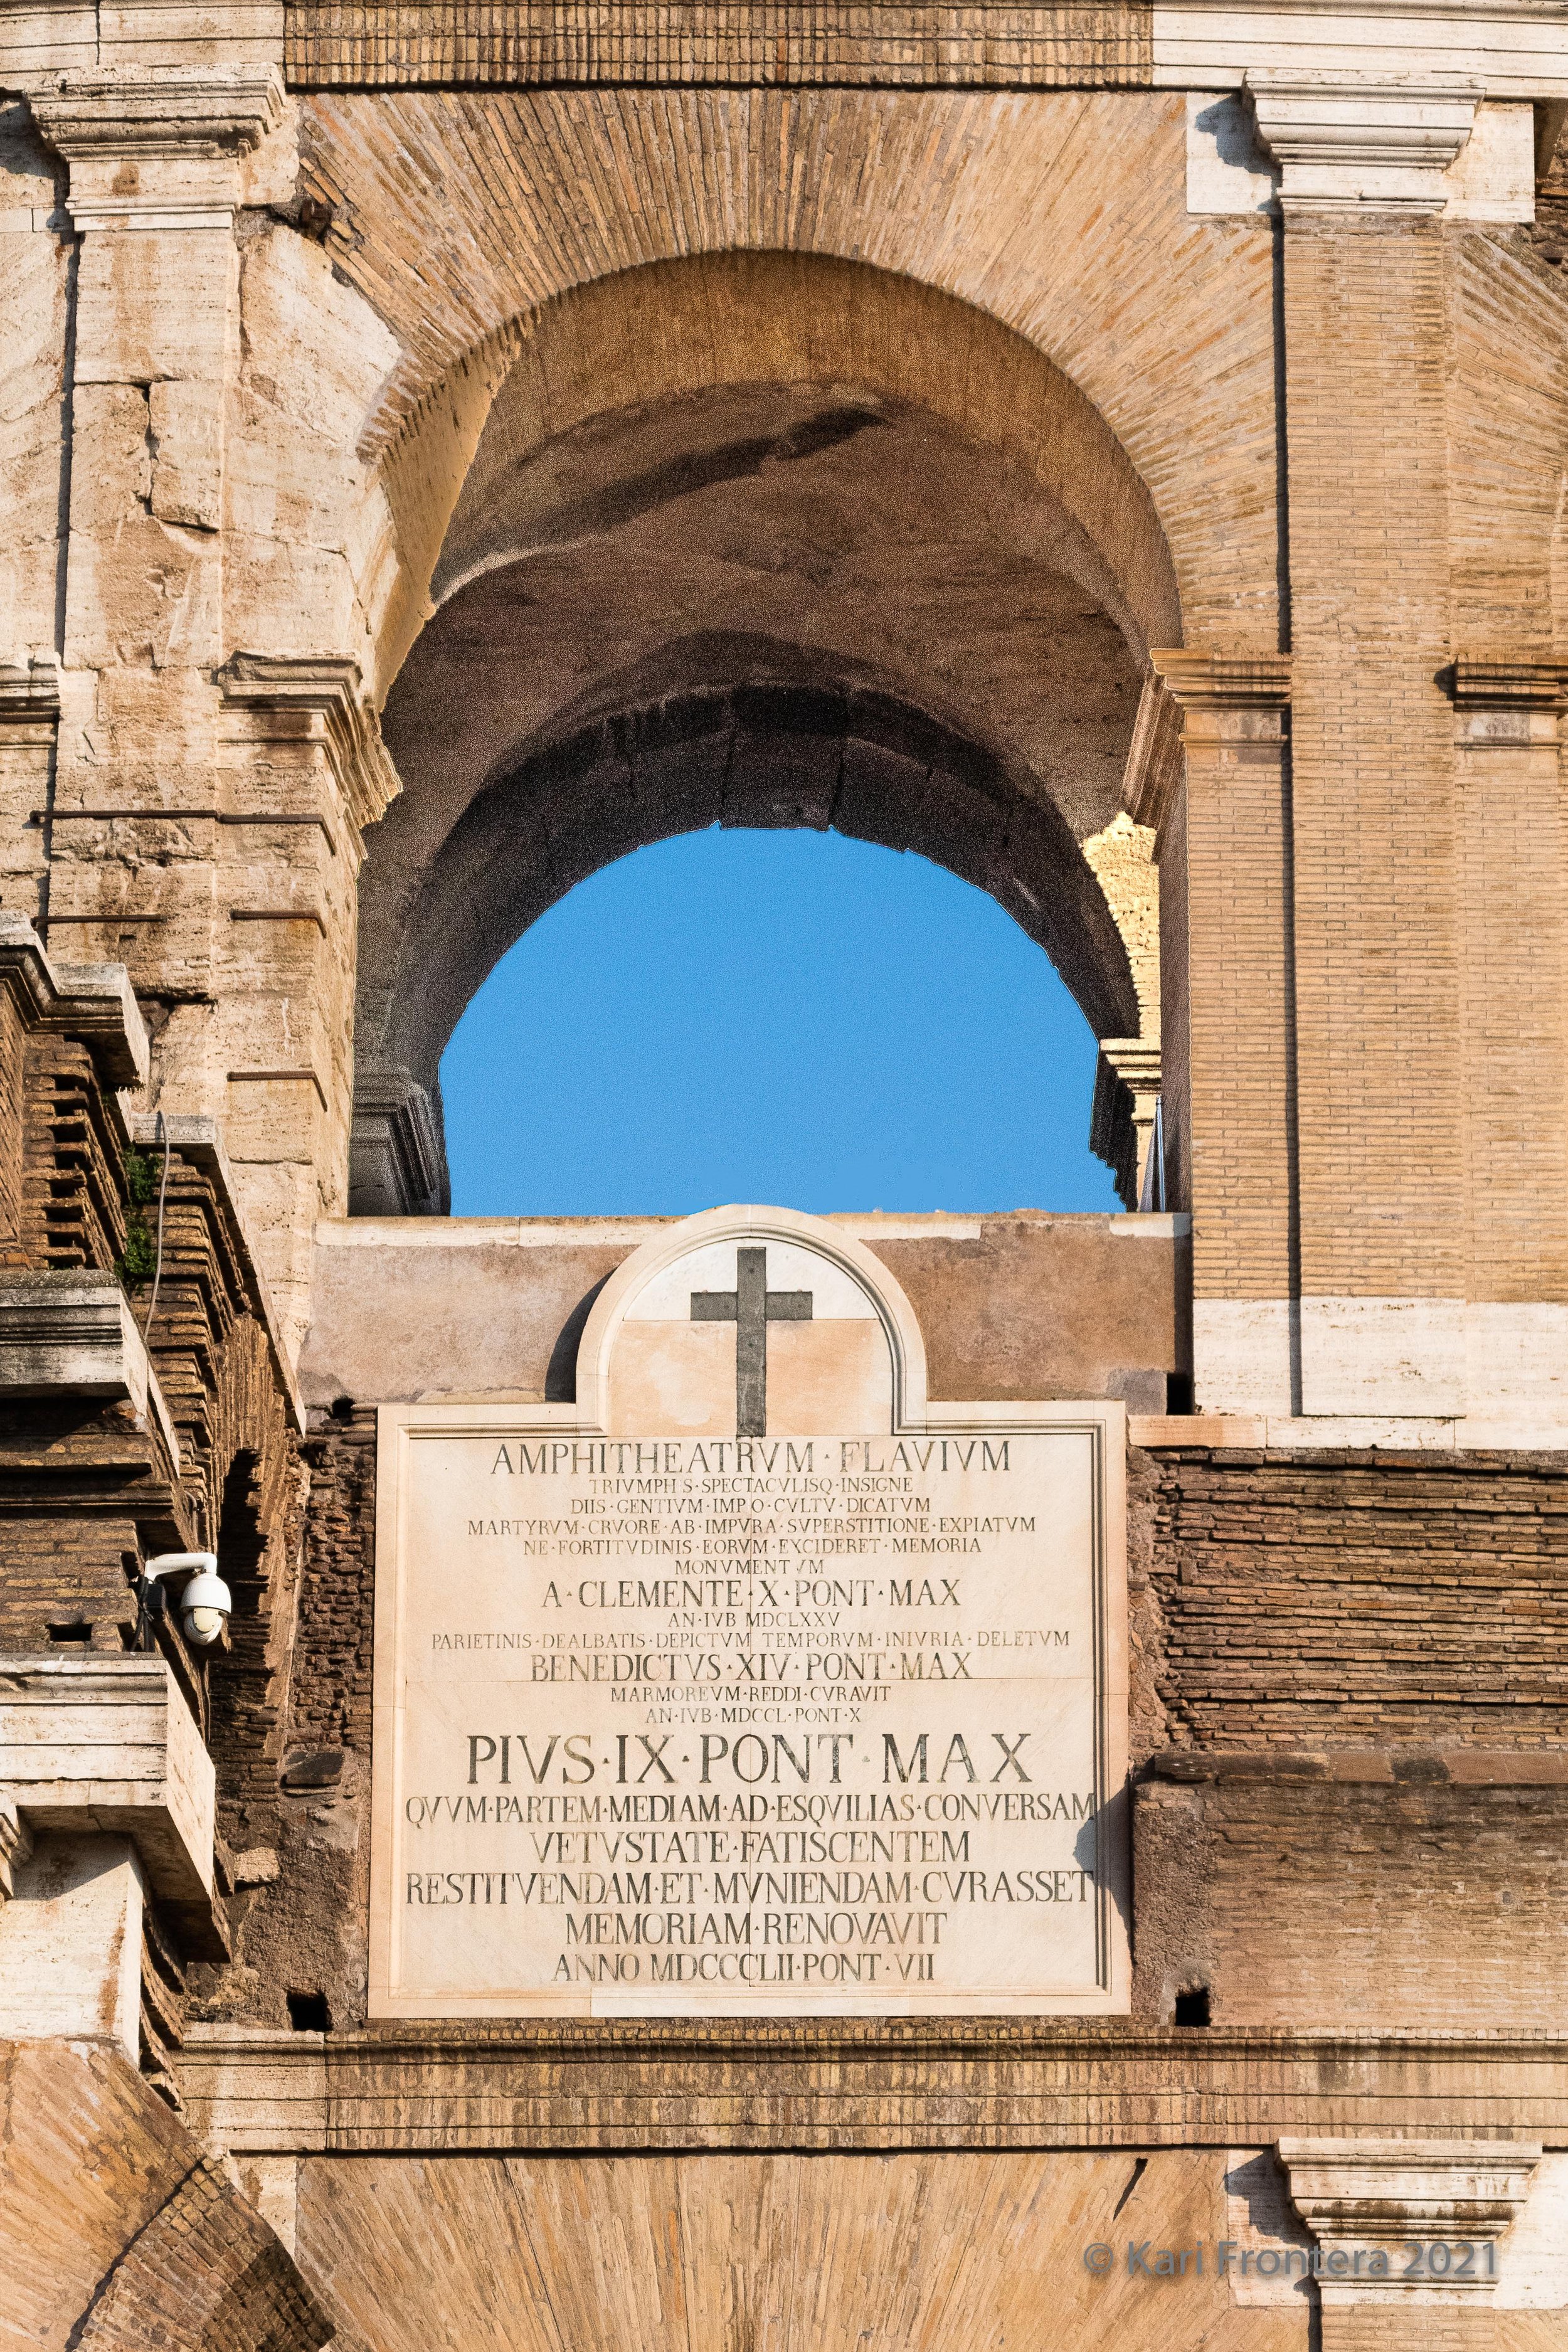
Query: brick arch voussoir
[[862, 762], [665, 329]]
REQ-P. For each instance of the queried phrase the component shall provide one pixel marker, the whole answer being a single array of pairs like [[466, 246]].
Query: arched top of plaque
[[751, 1322]]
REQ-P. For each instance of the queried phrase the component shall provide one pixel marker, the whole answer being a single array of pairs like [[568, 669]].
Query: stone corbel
[[1153, 767], [1225, 700], [1126, 1097], [1347, 142], [1370, 2197], [91, 1000], [156, 150], [319, 700], [1502, 705]]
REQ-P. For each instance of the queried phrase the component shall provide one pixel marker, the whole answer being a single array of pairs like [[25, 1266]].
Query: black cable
[[159, 1130]]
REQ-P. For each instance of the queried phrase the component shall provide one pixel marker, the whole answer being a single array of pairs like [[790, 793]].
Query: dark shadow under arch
[[784, 754], [752, 538]]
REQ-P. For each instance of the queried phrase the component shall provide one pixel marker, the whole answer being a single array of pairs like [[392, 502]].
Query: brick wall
[[1358, 1665], [378, 45], [306, 1802], [120, 2235], [1303, 1902], [1381, 1156], [207, 2275], [1347, 1600]]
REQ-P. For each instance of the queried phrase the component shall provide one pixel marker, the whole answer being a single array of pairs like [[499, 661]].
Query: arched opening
[[765, 540], [770, 1015]]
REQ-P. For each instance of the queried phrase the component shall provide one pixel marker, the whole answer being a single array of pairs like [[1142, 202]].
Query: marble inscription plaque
[[798, 1721]]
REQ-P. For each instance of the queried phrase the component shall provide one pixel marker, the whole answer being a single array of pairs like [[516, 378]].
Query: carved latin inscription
[[782, 1722]]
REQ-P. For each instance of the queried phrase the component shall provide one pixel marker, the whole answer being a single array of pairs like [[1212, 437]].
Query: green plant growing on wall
[[136, 1262]]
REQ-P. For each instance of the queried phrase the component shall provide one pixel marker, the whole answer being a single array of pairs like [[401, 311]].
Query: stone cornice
[[327, 693], [100, 1743], [1199, 45], [1508, 45], [148, 116], [89, 1000], [29, 691], [1386, 2194], [1204, 681], [981, 2082], [397, 1159], [1153, 766], [71, 1333], [1500, 683], [1247, 686], [1135, 1060], [1345, 141]]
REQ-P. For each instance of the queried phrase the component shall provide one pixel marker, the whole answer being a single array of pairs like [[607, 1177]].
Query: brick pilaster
[[1225, 846], [1513, 858], [1377, 855]]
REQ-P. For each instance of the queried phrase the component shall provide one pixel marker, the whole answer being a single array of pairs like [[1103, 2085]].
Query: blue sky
[[787, 1017]]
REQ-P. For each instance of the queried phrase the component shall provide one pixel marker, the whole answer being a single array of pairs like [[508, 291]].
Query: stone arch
[[759, 754], [762, 537], [672, 329], [1059, 221]]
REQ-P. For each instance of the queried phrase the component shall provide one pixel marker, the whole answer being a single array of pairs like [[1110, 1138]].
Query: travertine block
[[108, 1744], [156, 306], [114, 477], [70, 1944], [185, 433], [32, 302], [144, 593]]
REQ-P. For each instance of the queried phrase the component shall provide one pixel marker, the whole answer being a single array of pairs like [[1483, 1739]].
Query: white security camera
[[205, 1604]]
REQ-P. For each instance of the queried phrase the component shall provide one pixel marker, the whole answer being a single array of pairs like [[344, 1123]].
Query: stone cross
[[751, 1307]]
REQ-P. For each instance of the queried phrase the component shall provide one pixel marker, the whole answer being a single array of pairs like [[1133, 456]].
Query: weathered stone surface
[[878, 424], [120, 2233], [380, 46], [1013, 1307]]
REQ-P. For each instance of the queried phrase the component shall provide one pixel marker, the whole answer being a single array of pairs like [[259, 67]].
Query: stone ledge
[[1213, 44], [65, 1328], [1395, 1434], [1471, 1768], [89, 1000], [1154, 1430], [105, 1745], [64, 1332], [981, 2082]]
